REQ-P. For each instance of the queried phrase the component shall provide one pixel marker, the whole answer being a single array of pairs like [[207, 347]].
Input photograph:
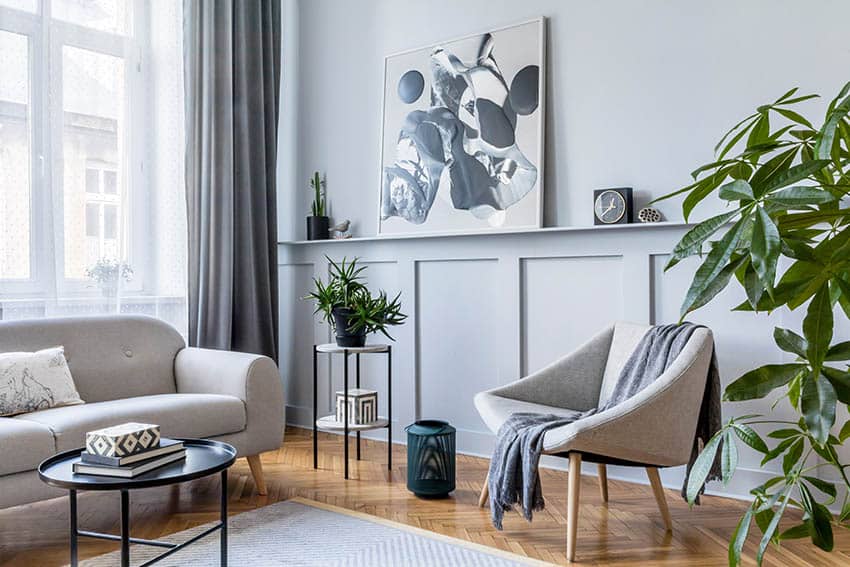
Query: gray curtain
[[232, 77]]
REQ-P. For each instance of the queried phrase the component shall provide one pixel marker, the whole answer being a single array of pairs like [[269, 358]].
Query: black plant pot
[[318, 228], [344, 337]]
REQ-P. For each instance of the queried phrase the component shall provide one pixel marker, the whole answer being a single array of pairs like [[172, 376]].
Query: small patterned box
[[122, 440], [362, 406]]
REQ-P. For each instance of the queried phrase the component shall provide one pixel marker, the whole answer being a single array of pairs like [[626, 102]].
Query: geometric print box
[[362, 406], [122, 440]]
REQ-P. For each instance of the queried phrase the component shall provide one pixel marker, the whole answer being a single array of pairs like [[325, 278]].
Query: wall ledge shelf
[[480, 234]]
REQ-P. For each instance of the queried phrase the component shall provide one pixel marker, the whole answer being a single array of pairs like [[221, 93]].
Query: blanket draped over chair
[[514, 477]]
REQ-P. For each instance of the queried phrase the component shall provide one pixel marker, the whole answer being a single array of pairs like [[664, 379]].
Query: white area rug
[[301, 532]]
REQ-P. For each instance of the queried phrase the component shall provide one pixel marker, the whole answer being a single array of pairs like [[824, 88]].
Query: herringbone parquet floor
[[626, 532]]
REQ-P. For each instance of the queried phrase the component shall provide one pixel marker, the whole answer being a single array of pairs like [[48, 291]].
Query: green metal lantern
[[430, 458]]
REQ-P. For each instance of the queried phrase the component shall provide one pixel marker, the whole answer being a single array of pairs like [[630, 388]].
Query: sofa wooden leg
[[660, 499], [573, 495], [485, 492], [256, 466], [603, 481]]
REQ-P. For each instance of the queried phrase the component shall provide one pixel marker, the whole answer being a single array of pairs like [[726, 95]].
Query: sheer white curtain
[[92, 192]]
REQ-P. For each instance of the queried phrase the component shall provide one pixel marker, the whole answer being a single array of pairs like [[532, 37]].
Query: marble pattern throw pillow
[[32, 381]]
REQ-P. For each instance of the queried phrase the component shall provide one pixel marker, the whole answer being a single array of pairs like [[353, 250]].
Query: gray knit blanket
[[514, 477]]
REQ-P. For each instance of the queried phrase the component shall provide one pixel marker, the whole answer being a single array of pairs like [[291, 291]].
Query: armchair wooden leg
[[573, 495], [660, 499], [256, 466], [603, 481], [485, 492]]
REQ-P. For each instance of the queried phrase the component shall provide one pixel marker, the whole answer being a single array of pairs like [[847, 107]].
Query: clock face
[[609, 207]]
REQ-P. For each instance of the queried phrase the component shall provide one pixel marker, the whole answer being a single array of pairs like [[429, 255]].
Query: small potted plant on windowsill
[[106, 273], [349, 306], [318, 224]]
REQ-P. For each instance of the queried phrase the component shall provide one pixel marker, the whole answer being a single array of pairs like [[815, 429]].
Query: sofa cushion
[[178, 415], [23, 445], [31, 381], [627, 336], [110, 357]]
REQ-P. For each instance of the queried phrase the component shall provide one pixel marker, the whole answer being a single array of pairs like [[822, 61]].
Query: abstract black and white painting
[[463, 134]]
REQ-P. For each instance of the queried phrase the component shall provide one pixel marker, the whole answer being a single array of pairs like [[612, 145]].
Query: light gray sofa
[[137, 368]]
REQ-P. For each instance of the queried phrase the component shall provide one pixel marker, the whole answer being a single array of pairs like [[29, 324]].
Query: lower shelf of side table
[[330, 423]]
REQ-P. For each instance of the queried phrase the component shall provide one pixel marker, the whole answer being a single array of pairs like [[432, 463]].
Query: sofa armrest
[[655, 426], [252, 378], [573, 381]]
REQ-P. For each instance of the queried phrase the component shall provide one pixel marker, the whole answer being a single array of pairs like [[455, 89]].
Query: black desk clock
[[612, 206]]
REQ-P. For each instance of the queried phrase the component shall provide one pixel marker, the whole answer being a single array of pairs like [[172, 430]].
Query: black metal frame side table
[[329, 423], [203, 458]]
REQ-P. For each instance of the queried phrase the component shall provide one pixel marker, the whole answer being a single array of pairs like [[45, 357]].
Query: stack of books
[[127, 450]]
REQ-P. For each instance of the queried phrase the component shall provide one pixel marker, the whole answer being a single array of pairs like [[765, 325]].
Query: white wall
[[638, 93]]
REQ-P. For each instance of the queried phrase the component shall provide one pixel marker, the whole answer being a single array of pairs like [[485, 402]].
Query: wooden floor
[[627, 531]]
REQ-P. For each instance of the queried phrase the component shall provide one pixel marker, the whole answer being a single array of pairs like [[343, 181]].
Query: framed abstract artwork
[[463, 127]]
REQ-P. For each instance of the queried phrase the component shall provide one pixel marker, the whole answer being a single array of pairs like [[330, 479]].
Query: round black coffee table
[[203, 458]]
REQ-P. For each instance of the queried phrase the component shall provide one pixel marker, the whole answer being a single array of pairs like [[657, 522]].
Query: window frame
[[46, 39]]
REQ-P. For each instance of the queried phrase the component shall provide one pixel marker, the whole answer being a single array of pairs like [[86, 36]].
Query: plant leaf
[[774, 522], [739, 537], [840, 381], [737, 190], [728, 457], [802, 195], [821, 520], [827, 488], [760, 382], [714, 263], [770, 169], [793, 175], [818, 406], [797, 532], [765, 248], [702, 466], [795, 451], [840, 351], [845, 432], [823, 147], [789, 341], [749, 436], [692, 241], [817, 326]]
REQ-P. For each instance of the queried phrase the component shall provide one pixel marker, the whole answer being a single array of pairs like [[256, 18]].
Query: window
[[90, 151], [15, 156]]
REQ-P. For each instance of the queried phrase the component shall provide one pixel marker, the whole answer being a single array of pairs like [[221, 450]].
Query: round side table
[[203, 457], [329, 422]]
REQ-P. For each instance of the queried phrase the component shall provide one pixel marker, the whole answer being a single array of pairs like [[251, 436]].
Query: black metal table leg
[[315, 411], [389, 407], [358, 386], [125, 528], [72, 496], [224, 518], [345, 410]]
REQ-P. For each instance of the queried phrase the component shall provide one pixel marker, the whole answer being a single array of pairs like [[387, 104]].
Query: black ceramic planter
[[344, 337], [318, 228]]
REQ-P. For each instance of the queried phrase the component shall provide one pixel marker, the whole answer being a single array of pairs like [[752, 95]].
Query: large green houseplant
[[350, 308], [785, 239]]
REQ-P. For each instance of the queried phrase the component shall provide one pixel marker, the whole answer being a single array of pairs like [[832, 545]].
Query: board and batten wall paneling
[[460, 337], [485, 310], [566, 301]]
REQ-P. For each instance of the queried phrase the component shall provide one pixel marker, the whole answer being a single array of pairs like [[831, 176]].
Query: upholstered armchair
[[654, 428]]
